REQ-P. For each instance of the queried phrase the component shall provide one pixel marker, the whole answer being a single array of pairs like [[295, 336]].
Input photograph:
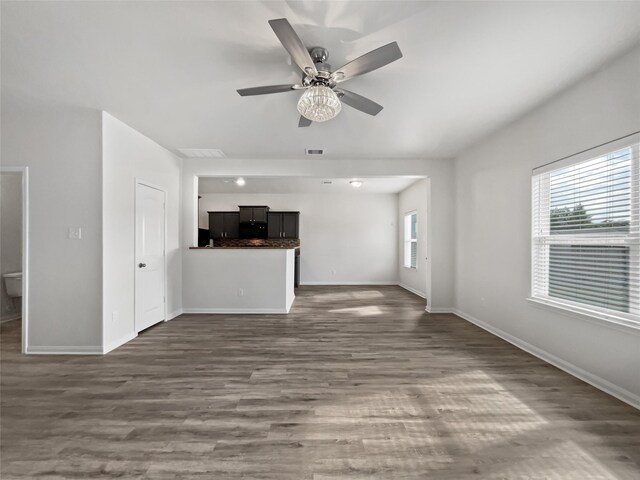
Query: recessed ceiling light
[[201, 152], [240, 181], [356, 183]]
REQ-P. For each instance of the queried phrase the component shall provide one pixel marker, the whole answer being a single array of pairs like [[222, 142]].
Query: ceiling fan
[[322, 97]]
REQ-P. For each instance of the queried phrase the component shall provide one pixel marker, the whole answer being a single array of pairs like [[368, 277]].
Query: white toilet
[[13, 283]]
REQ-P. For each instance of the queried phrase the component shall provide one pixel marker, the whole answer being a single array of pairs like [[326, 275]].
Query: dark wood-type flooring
[[355, 383]]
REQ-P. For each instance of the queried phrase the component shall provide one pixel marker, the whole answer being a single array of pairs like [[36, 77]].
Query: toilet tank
[[13, 284]]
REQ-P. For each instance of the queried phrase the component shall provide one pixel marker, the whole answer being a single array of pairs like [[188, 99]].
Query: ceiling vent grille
[[201, 153], [314, 151]]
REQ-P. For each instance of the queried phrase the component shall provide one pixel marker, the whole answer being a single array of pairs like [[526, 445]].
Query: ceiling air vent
[[314, 151], [201, 153], [327, 182]]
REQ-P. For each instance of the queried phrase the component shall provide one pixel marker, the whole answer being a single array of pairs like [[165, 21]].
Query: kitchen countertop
[[257, 247]]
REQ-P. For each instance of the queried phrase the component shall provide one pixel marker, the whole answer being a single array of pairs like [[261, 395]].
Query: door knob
[[142, 265]]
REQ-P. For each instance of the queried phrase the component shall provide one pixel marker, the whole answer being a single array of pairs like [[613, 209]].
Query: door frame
[[24, 174], [140, 181]]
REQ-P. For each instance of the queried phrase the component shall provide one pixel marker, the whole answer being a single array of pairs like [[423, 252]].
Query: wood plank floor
[[355, 383]]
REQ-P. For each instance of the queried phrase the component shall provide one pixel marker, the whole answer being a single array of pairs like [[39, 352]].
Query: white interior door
[[150, 257]]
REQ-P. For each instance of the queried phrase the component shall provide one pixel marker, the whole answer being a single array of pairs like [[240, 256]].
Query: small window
[[586, 235], [411, 240]]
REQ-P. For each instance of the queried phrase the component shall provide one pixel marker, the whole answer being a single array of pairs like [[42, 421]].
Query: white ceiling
[[170, 69], [303, 185]]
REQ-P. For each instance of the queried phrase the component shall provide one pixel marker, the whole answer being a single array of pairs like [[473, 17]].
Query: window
[[586, 234], [411, 240]]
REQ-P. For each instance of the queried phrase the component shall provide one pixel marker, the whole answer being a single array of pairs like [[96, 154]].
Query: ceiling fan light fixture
[[319, 103]]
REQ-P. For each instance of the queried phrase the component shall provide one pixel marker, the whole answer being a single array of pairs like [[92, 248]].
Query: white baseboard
[[172, 315], [430, 309], [63, 350], [413, 290], [237, 311], [588, 377], [381, 283], [291, 303], [11, 318], [120, 341]]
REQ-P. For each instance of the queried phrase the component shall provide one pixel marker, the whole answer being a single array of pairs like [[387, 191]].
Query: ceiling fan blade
[[292, 43], [244, 92], [369, 61], [359, 102], [304, 122]]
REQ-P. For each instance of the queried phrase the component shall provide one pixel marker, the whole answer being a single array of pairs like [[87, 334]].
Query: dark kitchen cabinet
[[224, 225], [283, 225], [253, 214]]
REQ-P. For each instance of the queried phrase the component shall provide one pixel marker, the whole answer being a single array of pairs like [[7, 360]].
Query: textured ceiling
[[170, 69]]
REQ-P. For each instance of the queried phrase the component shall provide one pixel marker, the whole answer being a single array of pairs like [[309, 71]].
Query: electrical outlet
[[75, 233], [241, 292]]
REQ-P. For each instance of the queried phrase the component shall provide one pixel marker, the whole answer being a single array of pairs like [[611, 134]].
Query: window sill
[[410, 268], [593, 316]]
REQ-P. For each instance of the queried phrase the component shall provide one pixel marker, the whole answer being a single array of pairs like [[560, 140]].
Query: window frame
[[407, 240], [627, 239]]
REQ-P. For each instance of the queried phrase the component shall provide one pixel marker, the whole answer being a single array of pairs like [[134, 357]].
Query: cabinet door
[[274, 225], [246, 214], [216, 225], [290, 225], [259, 214], [231, 225]]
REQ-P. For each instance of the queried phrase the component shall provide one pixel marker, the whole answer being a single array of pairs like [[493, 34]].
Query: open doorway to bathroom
[[13, 253]]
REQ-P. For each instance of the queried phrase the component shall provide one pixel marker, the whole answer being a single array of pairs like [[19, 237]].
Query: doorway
[[150, 255], [14, 248]]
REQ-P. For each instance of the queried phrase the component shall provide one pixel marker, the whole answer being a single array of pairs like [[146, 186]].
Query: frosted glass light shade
[[319, 104]]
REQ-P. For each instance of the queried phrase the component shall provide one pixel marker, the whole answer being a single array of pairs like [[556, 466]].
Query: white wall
[[493, 181], [10, 239], [442, 209], [265, 276], [345, 238], [415, 198], [61, 145], [127, 155]]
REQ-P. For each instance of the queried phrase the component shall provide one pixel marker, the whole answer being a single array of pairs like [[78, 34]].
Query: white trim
[[413, 290], [119, 342], [291, 303], [594, 380], [429, 309], [598, 318], [236, 311], [173, 315], [11, 318], [24, 172], [64, 350], [384, 283]]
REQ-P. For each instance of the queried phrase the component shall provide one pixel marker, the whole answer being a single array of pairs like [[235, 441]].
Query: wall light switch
[[75, 233]]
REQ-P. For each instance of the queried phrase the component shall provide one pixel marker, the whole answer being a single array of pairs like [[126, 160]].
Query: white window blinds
[[586, 233], [411, 240]]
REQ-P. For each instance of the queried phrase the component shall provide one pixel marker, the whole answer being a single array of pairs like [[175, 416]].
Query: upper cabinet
[[253, 214], [224, 225], [283, 224]]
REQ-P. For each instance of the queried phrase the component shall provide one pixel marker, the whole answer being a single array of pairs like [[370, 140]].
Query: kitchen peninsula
[[251, 265]]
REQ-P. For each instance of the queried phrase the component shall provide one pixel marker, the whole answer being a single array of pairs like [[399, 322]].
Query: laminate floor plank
[[355, 383]]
